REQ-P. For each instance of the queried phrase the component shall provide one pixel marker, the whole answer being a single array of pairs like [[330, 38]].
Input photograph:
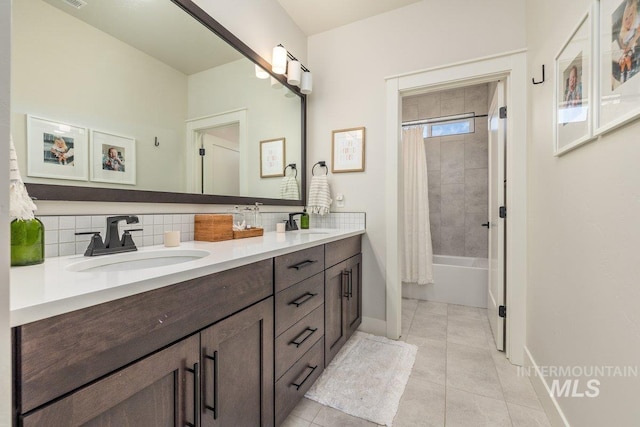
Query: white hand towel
[[289, 188], [20, 204], [319, 195]]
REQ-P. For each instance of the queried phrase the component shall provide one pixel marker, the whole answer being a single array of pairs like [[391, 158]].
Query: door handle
[[196, 395], [214, 408], [487, 224]]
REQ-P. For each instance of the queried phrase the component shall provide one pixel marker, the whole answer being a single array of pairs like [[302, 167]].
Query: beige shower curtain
[[418, 254]]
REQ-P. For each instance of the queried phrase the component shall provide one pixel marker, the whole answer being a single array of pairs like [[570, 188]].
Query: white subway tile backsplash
[[60, 238]]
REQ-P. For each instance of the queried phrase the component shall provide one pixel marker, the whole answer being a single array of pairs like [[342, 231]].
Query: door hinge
[[502, 311], [201, 151], [503, 112], [502, 212]]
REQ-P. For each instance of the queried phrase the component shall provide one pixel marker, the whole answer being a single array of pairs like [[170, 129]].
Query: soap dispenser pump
[[304, 220]]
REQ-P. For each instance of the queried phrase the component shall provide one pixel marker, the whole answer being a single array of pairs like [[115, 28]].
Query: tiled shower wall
[[60, 238], [457, 170]]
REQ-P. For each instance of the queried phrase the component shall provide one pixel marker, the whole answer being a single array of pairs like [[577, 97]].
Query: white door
[[497, 146]]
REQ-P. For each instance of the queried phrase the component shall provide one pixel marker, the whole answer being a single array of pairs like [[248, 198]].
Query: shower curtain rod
[[440, 120]]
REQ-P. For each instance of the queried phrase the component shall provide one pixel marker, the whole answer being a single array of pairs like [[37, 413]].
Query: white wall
[[5, 342], [583, 294], [350, 64]]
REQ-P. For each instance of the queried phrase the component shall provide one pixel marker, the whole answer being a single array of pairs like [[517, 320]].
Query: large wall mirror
[[150, 101]]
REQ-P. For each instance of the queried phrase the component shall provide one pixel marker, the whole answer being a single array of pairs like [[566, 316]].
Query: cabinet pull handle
[[350, 273], [303, 264], [213, 408], [196, 395], [313, 368], [302, 299], [345, 284], [299, 343]]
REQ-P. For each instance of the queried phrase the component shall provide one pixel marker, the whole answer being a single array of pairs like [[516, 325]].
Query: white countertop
[[48, 289]]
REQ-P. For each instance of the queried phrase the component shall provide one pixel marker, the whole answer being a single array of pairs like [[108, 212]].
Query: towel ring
[[292, 166], [322, 164]]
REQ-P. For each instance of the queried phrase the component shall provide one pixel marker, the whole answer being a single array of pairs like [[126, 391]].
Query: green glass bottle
[[304, 220], [27, 242]]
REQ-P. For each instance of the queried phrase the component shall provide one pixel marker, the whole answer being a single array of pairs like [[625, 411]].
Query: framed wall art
[[573, 100], [619, 63], [272, 158], [113, 158], [347, 150], [56, 150]]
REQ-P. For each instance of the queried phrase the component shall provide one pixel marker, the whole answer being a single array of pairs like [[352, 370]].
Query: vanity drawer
[[59, 354], [297, 380], [297, 301], [296, 340], [297, 266], [340, 250]]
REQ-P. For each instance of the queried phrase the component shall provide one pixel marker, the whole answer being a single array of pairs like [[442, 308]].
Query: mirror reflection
[[145, 83]]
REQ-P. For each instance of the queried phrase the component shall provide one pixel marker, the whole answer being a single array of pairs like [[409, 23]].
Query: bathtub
[[457, 280]]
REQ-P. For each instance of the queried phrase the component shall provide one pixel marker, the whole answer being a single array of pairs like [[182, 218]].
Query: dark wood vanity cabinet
[[343, 293], [144, 360]]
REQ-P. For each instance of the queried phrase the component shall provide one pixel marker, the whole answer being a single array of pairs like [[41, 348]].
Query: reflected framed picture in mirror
[[56, 150], [272, 158], [113, 158], [347, 150]]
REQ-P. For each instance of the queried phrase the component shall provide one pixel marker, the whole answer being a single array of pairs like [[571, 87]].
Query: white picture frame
[[272, 157], [618, 91], [347, 150], [113, 158], [574, 82], [56, 149]]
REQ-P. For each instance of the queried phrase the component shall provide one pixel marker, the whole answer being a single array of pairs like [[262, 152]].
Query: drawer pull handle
[[196, 395], [302, 299], [313, 368], [303, 264], [299, 343], [213, 408]]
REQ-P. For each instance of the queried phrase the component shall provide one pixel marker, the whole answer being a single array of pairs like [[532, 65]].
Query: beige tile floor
[[458, 379]]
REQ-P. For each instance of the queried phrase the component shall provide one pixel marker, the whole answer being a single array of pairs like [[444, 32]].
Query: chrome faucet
[[113, 244], [291, 224]]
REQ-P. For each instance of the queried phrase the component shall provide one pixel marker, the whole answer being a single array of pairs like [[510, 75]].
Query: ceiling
[[316, 16]]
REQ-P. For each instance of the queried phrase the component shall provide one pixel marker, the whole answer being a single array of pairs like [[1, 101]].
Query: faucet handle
[[95, 243]]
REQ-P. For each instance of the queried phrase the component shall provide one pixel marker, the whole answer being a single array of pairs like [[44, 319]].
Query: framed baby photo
[[347, 150], [113, 158], [573, 88], [56, 150], [272, 158], [619, 63]]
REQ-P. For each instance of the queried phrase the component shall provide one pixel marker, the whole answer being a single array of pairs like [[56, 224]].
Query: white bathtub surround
[[60, 238], [417, 257], [367, 378], [457, 280]]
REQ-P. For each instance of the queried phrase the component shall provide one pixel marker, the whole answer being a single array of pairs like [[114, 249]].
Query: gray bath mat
[[367, 377]]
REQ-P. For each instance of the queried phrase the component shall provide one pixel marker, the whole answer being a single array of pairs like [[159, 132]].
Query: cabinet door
[[354, 294], [237, 369], [334, 314], [159, 390]]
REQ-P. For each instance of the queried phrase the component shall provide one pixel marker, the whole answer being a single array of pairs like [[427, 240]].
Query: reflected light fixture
[[261, 73], [279, 60], [275, 83]]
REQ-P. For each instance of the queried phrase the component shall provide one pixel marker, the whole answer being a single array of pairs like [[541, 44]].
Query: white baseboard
[[547, 400], [373, 326]]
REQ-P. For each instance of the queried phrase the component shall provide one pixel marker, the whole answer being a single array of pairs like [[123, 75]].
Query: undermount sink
[[136, 260]]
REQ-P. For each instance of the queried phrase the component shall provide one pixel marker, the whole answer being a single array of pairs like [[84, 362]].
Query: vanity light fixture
[[297, 74], [279, 60]]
